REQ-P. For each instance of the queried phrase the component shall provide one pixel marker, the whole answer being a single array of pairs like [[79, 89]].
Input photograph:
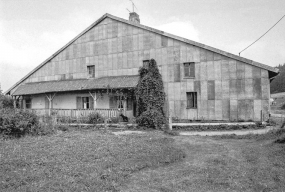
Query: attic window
[[189, 70], [91, 71]]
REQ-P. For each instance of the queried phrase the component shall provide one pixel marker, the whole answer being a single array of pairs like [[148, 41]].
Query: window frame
[[146, 63], [81, 100], [193, 103], [28, 103], [91, 74], [187, 70]]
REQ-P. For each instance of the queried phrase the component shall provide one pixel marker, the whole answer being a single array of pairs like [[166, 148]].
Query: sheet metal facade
[[226, 89]]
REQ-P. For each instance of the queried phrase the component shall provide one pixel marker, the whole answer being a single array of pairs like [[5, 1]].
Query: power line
[[262, 35]]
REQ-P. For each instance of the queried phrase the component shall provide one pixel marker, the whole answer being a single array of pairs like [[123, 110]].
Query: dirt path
[[217, 165]]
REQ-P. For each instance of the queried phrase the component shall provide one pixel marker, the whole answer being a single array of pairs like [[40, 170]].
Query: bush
[[18, 123], [95, 118], [152, 119], [150, 97], [283, 107], [63, 127], [6, 102]]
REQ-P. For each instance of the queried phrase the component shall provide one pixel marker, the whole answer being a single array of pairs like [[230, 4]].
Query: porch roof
[[116, 82]]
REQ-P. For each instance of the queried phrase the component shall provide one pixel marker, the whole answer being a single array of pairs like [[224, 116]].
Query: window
[[189, 70], [91, 71], [146, 63], [191, 100], [28, 103], [116, 102], [84, 102]]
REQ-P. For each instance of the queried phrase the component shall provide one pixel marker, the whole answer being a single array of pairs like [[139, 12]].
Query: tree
[[150, 97], [5, 101], [278, 84]]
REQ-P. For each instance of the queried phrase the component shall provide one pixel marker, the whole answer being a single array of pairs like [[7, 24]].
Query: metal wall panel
[[211, 90], [218, 90], [233, 69], [257, 94], [203, 71], [226, 89], [217, 70], [218, 110], [248, 89], [176, 68], [170, 73], [225, 69], [210, 70], [233, 110], [183, 90], [265, 88], [204, 90], [248, 71], [233, 89]]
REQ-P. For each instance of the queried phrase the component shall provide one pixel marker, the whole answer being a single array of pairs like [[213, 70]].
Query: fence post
[[105, 124], [170, 122]]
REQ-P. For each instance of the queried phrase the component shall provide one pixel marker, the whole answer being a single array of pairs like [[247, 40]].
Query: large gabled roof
[[273, 71]]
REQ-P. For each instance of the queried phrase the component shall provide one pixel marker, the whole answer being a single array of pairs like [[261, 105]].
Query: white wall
[[67, 101]]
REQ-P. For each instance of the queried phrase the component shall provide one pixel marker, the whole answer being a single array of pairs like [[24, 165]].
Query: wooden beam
[[94, 98], [50, 97]]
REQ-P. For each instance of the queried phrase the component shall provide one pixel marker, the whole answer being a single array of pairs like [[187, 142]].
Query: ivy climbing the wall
[[150, 97]]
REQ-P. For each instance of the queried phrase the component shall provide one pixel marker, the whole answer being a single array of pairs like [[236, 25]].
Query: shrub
[[150, 97], [95, 118], [63, 127], [283, 107], [151, 119], [18, 123], [6, 102]]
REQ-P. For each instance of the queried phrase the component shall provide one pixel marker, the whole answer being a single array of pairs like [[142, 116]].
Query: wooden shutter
[[186, 69], [91, 103], [195, 99], [78, 102], [192, 70]]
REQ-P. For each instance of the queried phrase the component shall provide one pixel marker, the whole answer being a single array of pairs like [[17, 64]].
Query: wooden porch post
[[15, 101], [50, 97], [94, 98]]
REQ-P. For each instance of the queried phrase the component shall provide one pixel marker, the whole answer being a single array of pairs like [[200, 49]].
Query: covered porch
[[108, 96]]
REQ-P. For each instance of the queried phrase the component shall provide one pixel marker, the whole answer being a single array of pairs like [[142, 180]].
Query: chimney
[[134, 17]]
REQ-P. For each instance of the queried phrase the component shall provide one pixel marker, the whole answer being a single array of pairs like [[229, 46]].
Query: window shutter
[[192, 69], [195, 100], [78, 103], [91, 103], [186, 70]]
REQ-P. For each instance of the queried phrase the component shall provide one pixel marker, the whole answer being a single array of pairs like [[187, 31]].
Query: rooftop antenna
[[133, 6]]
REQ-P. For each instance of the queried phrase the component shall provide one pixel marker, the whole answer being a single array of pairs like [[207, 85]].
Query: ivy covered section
[[150, 97]]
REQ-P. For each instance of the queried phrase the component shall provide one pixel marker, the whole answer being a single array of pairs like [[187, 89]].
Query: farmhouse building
[[98, 70]]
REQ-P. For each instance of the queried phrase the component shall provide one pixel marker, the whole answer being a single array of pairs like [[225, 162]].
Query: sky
[[32, 30]]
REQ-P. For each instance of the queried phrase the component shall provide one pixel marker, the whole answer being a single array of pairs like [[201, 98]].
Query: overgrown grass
[[217, 165], [81, 161]]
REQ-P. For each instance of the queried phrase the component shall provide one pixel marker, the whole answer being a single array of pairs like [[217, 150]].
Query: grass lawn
[[81, 161], [98, 161]]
